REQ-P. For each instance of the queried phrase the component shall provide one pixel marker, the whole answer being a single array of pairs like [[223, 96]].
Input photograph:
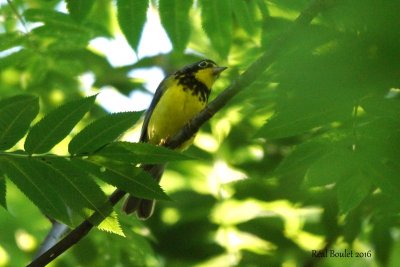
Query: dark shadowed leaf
[[352, 190], [79, 10], [56, 125], [131, 18], [140, 153], [176, 21], [126, 177], [16, 114], [76, 188], [244, 15], [39, 188], [102, 131], [3, 190], [217, 22]]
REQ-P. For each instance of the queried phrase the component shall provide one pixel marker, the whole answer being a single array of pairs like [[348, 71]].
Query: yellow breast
[[175, 108]]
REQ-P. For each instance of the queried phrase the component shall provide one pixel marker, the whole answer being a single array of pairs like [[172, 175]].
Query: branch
[[244, 80], [251, 74], [75, 235], [57, 231]]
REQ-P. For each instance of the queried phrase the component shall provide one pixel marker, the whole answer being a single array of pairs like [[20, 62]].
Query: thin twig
[[19, 17], [250, 75]]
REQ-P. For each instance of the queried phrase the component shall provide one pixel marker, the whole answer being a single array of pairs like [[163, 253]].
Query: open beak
[[218, 70]]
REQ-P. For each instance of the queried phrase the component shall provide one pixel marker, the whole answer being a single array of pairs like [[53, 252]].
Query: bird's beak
[[217, 70]]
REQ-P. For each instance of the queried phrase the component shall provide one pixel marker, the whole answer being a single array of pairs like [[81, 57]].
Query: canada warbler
[[178, 98]]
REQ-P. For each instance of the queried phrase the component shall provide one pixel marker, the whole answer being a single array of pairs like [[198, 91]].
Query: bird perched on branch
[[178, 98]]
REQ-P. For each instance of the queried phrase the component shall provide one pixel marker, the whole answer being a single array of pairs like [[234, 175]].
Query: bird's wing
[[156, 98]]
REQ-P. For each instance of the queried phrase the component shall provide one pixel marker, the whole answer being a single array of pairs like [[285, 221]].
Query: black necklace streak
[[189, 82]]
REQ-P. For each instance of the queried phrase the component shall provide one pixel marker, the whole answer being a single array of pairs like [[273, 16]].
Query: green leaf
[[352, 190], [49, 17], [382, 239], [302, 157], [11, 39], [335, 165], [16, 115], [241, 10], [3, 190], [217, 23], [381, 107], [297, 118], [133, 180], [56, 125], [140, 153], [111, 225], [175, 19], [77, 189], [131, 19], [102, 131], [79, 9], [39, 188]]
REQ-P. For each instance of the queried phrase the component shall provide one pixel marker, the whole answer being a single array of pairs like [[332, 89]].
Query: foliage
[[304, 158]]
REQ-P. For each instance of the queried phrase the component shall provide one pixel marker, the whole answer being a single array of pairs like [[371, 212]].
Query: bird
[[178, 98]]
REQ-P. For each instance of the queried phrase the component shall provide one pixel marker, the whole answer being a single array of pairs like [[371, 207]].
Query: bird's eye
[[203, 64]]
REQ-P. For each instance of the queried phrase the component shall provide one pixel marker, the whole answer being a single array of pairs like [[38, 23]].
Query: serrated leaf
[[131, 19], [175, 19], [217, 22], [39, 188], [102, 131], [16, 115], [140, 153], [111, 225], [56, 125], [76, 188], [241, 10], [79, 9], [3, 190], [352, 190], [126, 177]]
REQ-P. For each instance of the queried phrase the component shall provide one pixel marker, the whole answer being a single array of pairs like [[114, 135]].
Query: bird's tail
[[144, 207]]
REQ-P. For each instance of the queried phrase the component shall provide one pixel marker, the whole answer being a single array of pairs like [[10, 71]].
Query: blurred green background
[[305, 158]]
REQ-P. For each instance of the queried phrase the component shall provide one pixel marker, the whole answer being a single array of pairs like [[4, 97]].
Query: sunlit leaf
[[176, 21], [102, 131], [16, 114], [39, 188], [111, 225], [56, 125], [131, 18]]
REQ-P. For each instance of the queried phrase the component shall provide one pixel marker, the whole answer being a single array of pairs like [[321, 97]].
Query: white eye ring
[[203, 64]]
